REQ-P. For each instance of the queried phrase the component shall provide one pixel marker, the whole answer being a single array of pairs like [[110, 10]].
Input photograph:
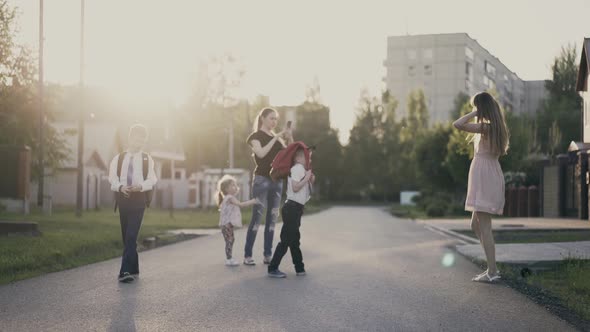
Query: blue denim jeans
[[269, 193]]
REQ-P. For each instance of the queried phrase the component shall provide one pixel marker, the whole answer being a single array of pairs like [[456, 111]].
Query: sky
[[151, 49]]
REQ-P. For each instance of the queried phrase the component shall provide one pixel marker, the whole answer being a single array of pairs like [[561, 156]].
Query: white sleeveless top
[[229, 213]]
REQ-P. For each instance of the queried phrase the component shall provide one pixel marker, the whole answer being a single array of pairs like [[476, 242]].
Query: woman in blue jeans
[[265, 145]]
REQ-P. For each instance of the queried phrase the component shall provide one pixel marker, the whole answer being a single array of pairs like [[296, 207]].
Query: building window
[[178, 175], [411, 71], [427, 53], [469, 71], [489, 69], [488, 82], [469, 53], [427, 70], [412, 54]]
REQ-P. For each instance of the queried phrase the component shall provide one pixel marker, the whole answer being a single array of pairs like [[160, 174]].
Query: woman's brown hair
[[490, 115]]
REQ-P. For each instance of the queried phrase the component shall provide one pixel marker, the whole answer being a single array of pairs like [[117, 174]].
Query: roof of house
[[578, 146], [99, 142], [582, 84]]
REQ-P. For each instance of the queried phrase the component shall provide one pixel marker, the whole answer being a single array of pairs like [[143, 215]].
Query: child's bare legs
[[475, 226], [487, 240]]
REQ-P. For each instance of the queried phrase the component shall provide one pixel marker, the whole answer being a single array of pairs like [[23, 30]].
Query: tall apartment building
[[444, 65]]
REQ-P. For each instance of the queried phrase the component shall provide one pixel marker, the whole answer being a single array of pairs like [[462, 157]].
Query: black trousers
[[290, 236], [130, 218]]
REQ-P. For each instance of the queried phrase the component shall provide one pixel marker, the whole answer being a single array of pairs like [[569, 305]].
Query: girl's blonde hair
[[222, 186], [489, 112]]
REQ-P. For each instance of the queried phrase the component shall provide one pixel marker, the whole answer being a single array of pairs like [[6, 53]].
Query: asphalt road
[[367, 271]]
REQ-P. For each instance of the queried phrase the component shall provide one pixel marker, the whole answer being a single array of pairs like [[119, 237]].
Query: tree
[[372, 155], [413, 128], [563, 105], [431, 152], [460, 100], [459, 153], [212, 110], [313, 127], [19, 118]]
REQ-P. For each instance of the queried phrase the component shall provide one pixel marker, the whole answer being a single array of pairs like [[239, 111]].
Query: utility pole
[[41, 189], [231, 138], [79, 182]]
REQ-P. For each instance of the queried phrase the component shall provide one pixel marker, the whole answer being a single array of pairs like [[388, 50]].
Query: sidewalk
[[530, 253], [517, 253], [512, 223]]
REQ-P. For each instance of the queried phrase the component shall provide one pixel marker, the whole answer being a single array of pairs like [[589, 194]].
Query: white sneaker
[[249, 261], [231, 262]]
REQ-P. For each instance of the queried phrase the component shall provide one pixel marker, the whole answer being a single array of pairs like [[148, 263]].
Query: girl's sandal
[[485, 277]]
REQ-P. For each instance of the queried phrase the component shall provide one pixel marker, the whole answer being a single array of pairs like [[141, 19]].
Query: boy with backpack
[[299, 183], [132, 178]]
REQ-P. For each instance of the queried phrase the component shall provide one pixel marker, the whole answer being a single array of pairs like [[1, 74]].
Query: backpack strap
[[145, 167], [120, 159]]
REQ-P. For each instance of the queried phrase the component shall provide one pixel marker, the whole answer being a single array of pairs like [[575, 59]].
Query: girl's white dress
[[485, 188]]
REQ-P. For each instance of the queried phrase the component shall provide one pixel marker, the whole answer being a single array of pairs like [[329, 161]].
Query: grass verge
[[564, 289]]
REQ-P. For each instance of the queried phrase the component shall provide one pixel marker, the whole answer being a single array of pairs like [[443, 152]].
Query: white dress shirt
[[303, 195], [137, 179]]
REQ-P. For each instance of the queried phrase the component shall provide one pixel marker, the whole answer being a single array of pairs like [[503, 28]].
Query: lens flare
[[448, 260]]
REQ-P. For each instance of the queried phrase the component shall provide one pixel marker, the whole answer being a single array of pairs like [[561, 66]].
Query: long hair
[[489, 112], [222, 186], [262, 114]]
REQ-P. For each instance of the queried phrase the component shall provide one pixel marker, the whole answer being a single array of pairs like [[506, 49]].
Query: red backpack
[[283, 161]]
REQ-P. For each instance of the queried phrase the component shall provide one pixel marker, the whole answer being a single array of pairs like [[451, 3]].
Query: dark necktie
[[130, 172]]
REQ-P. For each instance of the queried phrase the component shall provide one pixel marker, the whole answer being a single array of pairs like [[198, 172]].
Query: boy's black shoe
[[126, 278], [276, 274]]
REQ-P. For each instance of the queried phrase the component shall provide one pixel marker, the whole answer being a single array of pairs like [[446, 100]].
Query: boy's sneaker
[[249, 261], [231, 262], [126, 277], [267, 260], [301, 273], [276, 274]]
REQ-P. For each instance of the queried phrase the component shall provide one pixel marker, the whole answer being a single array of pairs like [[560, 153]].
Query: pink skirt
[[485, 188]]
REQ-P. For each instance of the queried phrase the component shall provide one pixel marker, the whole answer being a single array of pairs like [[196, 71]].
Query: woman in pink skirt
[[485, 189]]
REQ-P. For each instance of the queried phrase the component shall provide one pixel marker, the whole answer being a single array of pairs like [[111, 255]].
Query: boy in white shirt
[[132, 177], [298, 193]]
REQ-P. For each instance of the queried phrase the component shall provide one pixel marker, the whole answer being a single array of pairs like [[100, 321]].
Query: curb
[[462, 238]]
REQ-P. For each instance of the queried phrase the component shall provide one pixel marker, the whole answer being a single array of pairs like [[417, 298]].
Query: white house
[[202, 186]]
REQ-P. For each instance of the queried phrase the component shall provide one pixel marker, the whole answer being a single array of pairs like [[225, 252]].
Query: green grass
[[563, 289], [415, 212], [570, 283], [535, 236], [407, 211], [68, 241]]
